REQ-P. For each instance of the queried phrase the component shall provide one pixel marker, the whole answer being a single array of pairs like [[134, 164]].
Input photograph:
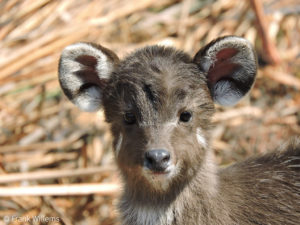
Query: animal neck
[[207, 177], [138, 204]]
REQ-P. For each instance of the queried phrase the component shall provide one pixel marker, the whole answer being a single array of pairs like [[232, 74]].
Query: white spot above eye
[[200, 137]]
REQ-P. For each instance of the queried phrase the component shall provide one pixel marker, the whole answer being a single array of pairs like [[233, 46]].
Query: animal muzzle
[[157, 160]]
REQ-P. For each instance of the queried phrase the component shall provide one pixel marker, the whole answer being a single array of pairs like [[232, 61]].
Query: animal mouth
[[159, 175], [159, 171]]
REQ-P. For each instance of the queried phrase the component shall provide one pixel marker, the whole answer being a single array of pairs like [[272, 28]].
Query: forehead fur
[[154, 79]]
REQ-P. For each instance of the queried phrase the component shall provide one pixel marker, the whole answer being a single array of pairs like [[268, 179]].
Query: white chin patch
[[160, 181], [200, 137]]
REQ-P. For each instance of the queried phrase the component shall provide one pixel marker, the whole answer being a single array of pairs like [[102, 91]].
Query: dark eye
[[129, 118], [185, 116]]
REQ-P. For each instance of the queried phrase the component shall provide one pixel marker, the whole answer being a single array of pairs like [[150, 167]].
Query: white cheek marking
[[119, 144], [172, 123], [200, 137]]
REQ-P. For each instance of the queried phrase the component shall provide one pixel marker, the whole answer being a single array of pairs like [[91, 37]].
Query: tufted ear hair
[[84, 69], [230, 66]]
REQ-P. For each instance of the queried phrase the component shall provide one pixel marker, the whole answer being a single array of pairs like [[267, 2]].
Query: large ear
[[84, 69], [230, 66]]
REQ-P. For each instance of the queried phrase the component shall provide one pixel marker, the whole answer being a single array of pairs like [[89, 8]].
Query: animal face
[[159, 108], [159, 102]]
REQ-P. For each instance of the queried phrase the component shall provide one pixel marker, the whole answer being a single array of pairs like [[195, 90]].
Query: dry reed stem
[[282, 77], [271, 52], [61, 190], [41, 146], [54, 174]]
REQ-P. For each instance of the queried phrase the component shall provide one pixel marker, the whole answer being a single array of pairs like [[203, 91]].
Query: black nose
[[157, 160]]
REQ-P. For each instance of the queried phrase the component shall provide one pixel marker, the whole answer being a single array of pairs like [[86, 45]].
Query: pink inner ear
[[87, 60], [222, 67], [226, 53], [88, 73]]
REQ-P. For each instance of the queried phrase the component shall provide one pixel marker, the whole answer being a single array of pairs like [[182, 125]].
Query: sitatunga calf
[[159, 103]]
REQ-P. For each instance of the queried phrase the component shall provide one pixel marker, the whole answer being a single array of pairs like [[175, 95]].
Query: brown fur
[[156, 84]]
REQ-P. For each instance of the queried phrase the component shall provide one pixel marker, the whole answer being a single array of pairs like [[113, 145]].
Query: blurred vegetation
[[46, 142]]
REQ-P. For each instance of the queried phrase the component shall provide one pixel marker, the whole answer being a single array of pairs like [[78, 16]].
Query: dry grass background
[[56, 162]]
